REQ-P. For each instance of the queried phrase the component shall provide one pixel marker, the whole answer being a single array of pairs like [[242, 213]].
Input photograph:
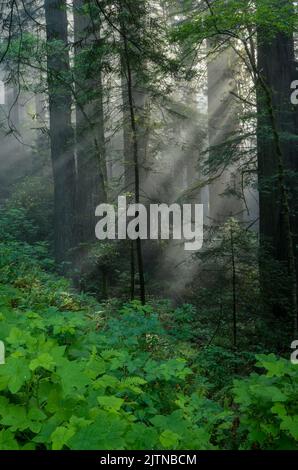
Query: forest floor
[[86, 375]]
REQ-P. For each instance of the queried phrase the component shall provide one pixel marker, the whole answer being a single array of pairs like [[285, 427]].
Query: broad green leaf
[[106, 433], [169, 439], [72, 376], [45, 361], [110, 403], [14, 374], [290, 424], [270, 393], [7, 440], [61, 436]]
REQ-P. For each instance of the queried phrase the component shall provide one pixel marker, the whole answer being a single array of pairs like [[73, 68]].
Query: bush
[[70, 383], [14, 225], [268, 406], [31, 204], [84, 375]]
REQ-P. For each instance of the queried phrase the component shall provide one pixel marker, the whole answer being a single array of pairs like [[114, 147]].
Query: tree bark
[[90, 139], [277, 163], [135, 138], [61, 131]]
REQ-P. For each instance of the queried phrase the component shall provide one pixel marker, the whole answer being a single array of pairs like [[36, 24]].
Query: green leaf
[[104, 382], [61, 436], [95, 367], [7, 440], [45, 361], [106, 433], [279, 409], [276, 367], [14, 374], [18, 419], [72, 376], [110, 403], [141, 437], [270, 393], [290, 424], [169, 439]]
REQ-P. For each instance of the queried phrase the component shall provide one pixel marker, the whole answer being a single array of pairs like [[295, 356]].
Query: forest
[[148, 225]]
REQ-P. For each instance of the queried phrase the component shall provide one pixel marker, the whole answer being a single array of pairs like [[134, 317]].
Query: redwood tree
[[61, 131]]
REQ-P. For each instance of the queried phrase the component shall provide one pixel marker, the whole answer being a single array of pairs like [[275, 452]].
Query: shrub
[[268, 407], [31, 204], [83, 375]]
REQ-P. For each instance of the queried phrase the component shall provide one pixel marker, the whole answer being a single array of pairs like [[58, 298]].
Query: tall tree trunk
[[90, 141], [136, 172], [61, 131], [134, 29], [134, 132], [127, 137], [277, 71]]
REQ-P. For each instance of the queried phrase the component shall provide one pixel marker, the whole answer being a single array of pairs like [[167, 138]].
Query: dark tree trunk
[[127, 138], [276, 68], [135, 137], [133, 22], [134, 150], [139, 97], [90, 141], [61, 131], [234, 286]]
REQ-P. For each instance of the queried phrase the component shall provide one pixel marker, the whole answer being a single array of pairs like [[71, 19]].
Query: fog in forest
[[179, 127], [177, 119]]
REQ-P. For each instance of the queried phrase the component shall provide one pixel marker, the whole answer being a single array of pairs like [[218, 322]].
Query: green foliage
[[74, 381], [33, 199], [228, 280], [80, 375], [235, 18], [68, 388], [268, 406], [220, 366], [14, 225], [183, 319]]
